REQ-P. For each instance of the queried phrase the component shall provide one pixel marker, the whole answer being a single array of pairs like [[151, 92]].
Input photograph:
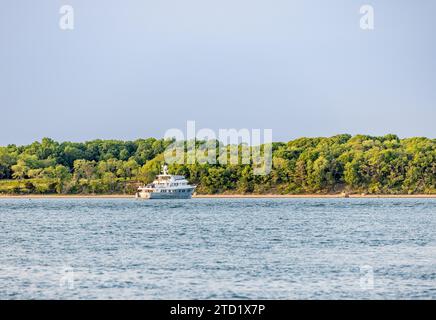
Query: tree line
[[355, 164]]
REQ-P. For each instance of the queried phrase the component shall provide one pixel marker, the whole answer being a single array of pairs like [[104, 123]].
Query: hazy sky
[[135, 68]]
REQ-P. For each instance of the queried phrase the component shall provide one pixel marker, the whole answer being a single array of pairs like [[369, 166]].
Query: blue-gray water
[[218, 248]]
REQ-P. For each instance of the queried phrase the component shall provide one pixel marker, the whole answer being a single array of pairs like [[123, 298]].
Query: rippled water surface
[[218, 249]]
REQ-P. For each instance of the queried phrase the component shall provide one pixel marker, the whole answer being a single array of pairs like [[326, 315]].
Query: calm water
[[218, 248]]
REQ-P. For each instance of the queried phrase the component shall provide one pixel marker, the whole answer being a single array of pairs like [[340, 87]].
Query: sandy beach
[[317, 196], [219, 196]]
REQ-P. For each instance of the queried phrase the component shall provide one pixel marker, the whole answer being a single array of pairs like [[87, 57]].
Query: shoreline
[[224, 196], [285, 196]]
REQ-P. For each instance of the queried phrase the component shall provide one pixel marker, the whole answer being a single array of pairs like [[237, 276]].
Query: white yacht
[[166, 186]]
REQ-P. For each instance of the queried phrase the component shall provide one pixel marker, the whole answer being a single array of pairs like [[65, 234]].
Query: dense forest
[[343, 163]]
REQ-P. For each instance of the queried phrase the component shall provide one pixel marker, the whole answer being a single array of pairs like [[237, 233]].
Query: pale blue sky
[[136, 68]]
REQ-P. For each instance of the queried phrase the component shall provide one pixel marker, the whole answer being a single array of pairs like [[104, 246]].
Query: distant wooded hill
[[363, 164]]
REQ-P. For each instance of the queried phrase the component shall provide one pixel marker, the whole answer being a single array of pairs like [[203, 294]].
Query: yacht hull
[[164, 195]]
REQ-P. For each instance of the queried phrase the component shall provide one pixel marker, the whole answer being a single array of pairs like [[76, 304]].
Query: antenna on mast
[[165, 169]]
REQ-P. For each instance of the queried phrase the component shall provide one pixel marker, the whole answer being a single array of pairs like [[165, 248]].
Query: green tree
[[84, 169]]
